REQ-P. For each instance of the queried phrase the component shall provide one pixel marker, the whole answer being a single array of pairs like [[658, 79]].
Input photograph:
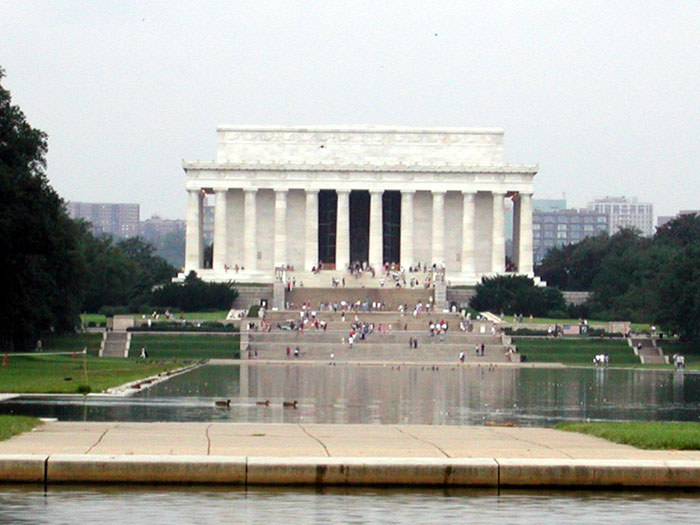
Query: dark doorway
[[327, 207], [391, 226], [359, 226]]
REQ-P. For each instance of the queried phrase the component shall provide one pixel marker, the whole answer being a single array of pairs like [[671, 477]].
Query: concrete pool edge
[[349, 471]]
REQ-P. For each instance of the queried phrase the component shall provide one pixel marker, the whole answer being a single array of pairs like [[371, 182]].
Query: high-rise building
[[155, 228], [560, 227], [119, 220], [623, 212]]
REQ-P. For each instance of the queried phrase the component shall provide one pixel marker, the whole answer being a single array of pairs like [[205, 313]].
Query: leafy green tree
[[677, 307], [42, 267], [110, 275], [194, 295], [516, 294], [150, 269]]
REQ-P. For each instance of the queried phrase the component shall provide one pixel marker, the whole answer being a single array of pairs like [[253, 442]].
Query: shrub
[[516, 294], [195, 295], [111, 311]]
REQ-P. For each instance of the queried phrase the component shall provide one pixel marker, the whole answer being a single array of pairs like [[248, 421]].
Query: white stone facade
[[266, 182]]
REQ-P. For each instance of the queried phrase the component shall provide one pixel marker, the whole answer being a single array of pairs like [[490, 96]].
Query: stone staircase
[[647, 351], [115, 344], [391, 298], [390, 345], [364, 279]]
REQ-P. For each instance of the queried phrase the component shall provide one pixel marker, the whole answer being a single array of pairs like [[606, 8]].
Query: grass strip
[[575, 351], [63, 374], [189, 346], [653, 435], [13, 425]]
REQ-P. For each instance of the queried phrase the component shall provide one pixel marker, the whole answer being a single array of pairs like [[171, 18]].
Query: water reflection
[[393, 394], [70, 504]]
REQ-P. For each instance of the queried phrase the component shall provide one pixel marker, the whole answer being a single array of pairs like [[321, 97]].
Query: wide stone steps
[[647, 351], [115, 344], [372, 352], [391, 297], [335, 336]]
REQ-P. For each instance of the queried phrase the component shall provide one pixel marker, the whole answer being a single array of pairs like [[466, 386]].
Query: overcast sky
[[605, 96]]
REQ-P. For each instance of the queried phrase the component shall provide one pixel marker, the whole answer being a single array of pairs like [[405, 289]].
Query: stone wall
[[460, 296], [249, 295]]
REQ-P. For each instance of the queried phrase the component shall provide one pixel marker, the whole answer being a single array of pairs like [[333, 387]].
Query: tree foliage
[[516, 295], [41, 271], [194, 294], [636, 278]]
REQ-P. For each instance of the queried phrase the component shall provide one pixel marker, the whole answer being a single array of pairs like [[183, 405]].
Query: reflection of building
[[562, 227], [296, 196], [119, 220], [625, 213]]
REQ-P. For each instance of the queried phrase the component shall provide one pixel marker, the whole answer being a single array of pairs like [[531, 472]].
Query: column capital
[[218, 191], [343, 191], [312, 190], [499, 192], [438, 192], [380, 192], [469, 196], [406, 192], [281, 190], [250, 190]]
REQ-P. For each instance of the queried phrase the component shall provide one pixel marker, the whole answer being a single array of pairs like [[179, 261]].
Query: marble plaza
[[340, 195]]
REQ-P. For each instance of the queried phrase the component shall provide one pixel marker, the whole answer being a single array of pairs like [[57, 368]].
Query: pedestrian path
[[296, 454]]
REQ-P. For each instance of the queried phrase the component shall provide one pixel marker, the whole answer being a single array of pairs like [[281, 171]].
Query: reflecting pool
[[449, 395], [71, 504]]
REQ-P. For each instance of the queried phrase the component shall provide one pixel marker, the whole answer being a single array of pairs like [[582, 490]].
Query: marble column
[[311, 230], [438, 252], [376, 239], [280, 247], [250, 220], [406, 246], [525, 256], [342, 232], [468, 252], [220, 234], [516, 231], [194, 250], [498, 235]]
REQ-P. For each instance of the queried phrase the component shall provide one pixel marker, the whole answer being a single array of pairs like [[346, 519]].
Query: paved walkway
[[292, 440]]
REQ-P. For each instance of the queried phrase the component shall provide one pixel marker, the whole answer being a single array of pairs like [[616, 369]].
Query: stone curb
[[352, 471]]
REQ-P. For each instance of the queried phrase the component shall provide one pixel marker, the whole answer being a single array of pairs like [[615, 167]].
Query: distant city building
[[626, 213], [663, 219], [119, 220], [155, 228], [561, 227], [549, 204]]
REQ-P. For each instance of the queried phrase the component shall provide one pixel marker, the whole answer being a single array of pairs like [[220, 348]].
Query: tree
[[42, 267], [516, 294], [150, 269], [194, 294]]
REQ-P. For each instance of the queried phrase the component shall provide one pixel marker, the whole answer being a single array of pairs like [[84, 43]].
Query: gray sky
[[605, 96]]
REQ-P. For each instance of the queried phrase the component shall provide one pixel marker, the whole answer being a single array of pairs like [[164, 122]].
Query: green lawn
[[691, 351], [218, 315], [13, 425], [65, 374], [166, 346], [71, 343], [646, 434], [575, 351]]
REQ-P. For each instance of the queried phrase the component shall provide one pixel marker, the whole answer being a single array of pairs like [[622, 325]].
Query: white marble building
[[294, 196]]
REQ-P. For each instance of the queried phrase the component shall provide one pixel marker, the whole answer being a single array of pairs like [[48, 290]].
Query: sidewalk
[[332, 454]]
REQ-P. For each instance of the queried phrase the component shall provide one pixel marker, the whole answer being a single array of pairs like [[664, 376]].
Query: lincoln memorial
[[334, 196]]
